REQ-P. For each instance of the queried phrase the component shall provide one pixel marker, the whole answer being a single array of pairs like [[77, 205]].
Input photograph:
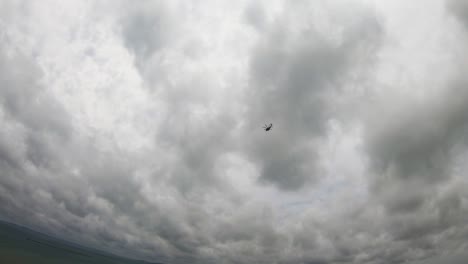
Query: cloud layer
[[135, 127]]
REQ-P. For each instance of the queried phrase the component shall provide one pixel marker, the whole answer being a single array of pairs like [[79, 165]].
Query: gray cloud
[[255, 15], [294, 72], [146, 27], [418, 138], [460, 9], [416, 145], [454, 259], [170, 164], [415, 149], [39, 152]]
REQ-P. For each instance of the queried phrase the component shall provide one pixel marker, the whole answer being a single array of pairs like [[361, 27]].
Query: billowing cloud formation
[[295, 68], [135, 127]]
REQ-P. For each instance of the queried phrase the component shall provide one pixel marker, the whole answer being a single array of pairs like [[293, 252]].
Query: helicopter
[[268, 127]]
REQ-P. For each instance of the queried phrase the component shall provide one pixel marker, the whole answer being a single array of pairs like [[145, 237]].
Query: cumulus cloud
[[135, 127]]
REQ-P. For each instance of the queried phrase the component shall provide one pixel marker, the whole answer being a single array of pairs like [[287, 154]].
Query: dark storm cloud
[[460, 9], [448, 259], [143, 34], [145, 27], [416, 149], [415, 145], [293, 77]]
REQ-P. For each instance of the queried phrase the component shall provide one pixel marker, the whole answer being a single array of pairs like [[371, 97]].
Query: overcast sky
[[136, 127]]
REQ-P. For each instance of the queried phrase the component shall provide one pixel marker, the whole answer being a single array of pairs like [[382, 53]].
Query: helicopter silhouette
[[268, 127]]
